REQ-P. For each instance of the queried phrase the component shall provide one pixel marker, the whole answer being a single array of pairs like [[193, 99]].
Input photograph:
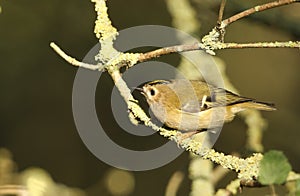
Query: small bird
[[194, 105]]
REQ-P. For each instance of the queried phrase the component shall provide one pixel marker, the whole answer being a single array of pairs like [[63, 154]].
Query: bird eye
[[152, 92]]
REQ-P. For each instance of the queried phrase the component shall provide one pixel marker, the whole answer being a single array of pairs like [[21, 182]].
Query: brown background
[[36, 118]]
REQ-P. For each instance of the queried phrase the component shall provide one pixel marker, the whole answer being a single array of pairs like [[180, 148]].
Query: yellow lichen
[[103, 27], [108, 55]]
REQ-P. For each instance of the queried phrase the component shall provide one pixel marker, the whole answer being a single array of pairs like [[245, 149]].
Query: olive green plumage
[[190, 105]]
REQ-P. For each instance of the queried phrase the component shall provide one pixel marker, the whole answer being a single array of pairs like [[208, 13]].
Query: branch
[[215, 39], [247, 168], [112, 60], [168, 50], [221, 11], [72, 60], [255, 9], [214, 46], [103, 27], [275, 18], [288, 44]]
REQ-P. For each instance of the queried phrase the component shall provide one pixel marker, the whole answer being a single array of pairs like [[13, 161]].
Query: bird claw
[[184, 136]]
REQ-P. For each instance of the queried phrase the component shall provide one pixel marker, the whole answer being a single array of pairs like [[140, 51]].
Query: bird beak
[[140, 90]]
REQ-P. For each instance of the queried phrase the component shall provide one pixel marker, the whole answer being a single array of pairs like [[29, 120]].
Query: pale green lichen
[[107, 52], [105, 32], [103, 27], [210, 42], [112, 57], [288, 44], [130, 59], [247, 168]]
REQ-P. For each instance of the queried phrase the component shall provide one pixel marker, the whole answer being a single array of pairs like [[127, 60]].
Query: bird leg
[[203, 101], [185, 136], [203, 106]]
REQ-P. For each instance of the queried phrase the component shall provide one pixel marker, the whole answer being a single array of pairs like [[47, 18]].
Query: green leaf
[[274, 168], [297, 187]]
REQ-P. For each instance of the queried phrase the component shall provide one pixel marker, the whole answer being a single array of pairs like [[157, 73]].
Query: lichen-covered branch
[[210, 45], [289, 44], [111, 60], [276, 18], [168, 50], [103, 27], [73, 61], [221, 11], [246, 171], [214, 40], [201, 171]]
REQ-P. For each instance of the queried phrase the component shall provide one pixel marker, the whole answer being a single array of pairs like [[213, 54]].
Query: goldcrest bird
[[193, 105]]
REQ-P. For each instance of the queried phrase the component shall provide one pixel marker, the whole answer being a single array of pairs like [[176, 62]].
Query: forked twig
[[247, 168]]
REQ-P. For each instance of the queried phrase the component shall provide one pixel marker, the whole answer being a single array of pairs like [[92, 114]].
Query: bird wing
[[224, 97], [210, 97], [192, 106]]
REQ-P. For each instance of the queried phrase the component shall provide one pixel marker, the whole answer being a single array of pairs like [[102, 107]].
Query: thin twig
[[168, 50], [217, 46], [221, 11], [72, 60], [210, 46], [288, 44], [177, 49], [247, 168], [277, 18], [220, 27], [255, 9]]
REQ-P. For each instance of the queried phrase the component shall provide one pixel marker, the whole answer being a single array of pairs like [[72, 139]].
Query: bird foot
[[186, 135]]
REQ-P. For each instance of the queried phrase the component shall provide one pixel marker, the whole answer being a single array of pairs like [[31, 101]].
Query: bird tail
[[252, 104]]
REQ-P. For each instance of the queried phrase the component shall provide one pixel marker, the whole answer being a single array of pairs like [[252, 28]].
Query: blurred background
[[36, 120]]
